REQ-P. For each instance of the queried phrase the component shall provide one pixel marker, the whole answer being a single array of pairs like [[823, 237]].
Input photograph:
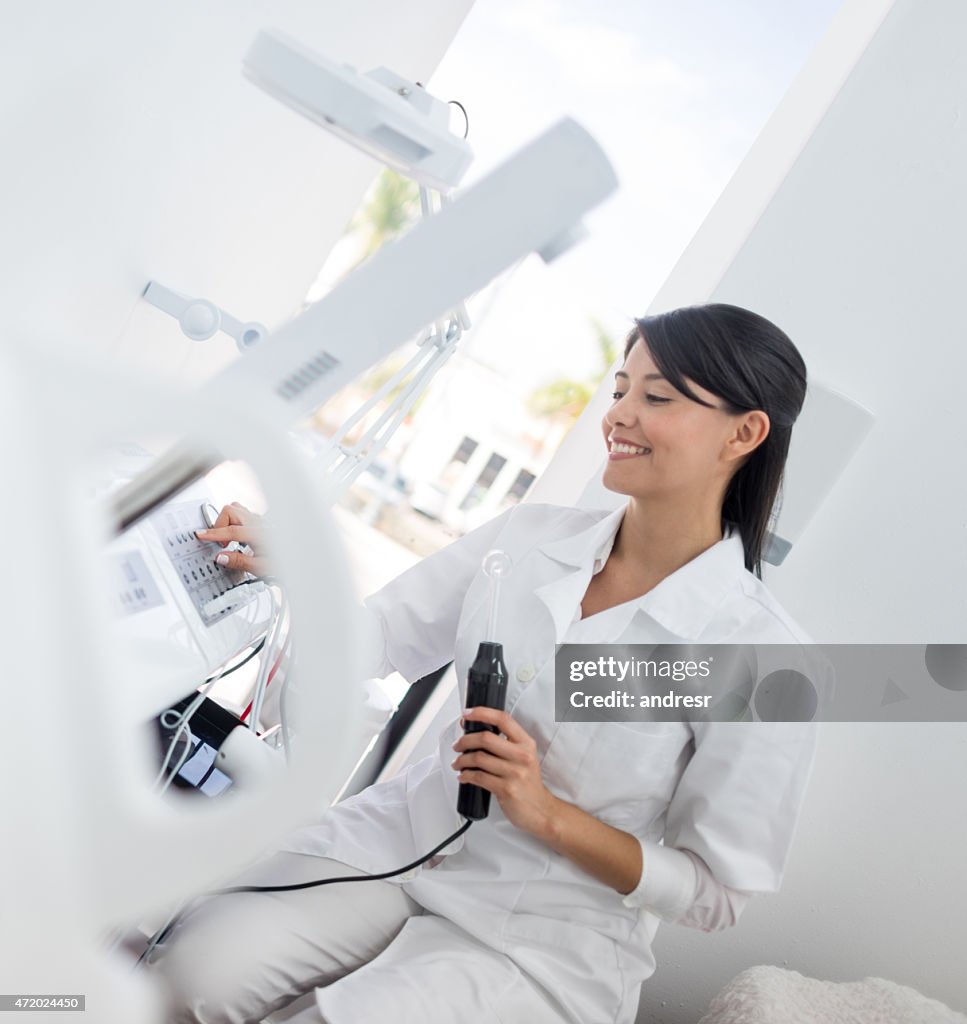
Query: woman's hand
[[236, 523], [508, 767]]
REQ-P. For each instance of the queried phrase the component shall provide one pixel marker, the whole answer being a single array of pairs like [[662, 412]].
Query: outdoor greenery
[[392, 205], [566, 397]]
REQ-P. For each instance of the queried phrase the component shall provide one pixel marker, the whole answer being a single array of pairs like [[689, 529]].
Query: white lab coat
[[728, 792]]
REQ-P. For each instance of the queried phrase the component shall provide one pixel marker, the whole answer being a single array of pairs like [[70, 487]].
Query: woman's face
[[660, 442]]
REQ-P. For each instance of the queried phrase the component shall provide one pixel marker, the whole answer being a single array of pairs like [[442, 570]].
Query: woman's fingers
[[500, 747], [482, 761], [226, 534], [502, 719], [235, 526], [255, 564], [235, 515], [507, 766], [483, 740]]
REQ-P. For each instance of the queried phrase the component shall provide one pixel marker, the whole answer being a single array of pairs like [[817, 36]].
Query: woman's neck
[[661, 541]]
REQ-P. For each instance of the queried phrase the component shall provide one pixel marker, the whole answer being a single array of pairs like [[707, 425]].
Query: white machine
[[129, 625]]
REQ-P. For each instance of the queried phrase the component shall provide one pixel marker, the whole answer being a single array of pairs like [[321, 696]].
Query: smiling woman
[[547, 908]]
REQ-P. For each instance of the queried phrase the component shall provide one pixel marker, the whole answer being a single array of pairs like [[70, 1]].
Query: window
[[520, 486], [454, 468], [467, 447], [483, 483]]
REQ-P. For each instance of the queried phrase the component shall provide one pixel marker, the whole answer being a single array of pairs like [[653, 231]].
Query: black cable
[[466, 116], [248, 657], [269, 581], [347, 878], [184, 704], [308, 885]]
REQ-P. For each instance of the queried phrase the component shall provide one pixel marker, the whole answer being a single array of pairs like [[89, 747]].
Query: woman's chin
[[613, 485]]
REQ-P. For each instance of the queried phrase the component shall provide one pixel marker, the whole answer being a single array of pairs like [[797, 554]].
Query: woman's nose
[[620, 414]]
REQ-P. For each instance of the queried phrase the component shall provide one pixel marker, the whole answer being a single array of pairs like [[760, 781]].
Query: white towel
[[767, 995]]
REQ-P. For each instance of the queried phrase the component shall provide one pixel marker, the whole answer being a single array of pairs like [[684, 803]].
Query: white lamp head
[[392, 119]]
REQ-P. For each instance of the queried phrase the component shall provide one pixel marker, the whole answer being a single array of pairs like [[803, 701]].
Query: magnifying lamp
[[394, 120]]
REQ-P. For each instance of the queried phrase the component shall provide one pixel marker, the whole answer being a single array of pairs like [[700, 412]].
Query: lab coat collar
[[684, 602], [575, 557], [596, 540]]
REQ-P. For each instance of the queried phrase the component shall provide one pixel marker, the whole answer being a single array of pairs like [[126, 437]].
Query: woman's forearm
[[607, 853]]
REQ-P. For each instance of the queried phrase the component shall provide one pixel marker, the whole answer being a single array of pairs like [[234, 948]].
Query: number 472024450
[[52, 1002]]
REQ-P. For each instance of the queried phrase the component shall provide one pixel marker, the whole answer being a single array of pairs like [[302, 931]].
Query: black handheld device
[[486, 687]]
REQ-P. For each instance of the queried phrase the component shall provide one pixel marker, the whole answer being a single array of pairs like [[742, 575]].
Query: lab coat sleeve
[[678, 887], [375, 663], [730, 823], [738, 801], [410, 625]]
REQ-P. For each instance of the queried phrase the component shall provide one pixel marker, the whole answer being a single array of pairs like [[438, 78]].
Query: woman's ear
[[753, 428]]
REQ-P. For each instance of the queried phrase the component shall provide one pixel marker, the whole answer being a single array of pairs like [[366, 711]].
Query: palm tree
[[392, 205]]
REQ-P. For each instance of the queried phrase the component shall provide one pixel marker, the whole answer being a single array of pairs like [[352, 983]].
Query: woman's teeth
[[629, 449]]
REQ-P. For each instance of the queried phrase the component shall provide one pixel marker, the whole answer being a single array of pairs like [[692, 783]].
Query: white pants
[[235, 958]]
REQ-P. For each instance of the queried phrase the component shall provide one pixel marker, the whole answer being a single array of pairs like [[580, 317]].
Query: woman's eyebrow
[[648, 376]]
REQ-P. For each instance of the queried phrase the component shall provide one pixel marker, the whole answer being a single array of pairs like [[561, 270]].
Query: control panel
[[194, 560], [180, 617]]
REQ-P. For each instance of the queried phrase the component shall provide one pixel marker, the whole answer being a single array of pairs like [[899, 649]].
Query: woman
[[546, 910]]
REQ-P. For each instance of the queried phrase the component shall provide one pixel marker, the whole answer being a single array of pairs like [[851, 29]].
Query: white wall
[[858, 256], [134, 148]]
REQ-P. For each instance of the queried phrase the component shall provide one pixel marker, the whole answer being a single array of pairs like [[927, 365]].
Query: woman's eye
[[657, 399]]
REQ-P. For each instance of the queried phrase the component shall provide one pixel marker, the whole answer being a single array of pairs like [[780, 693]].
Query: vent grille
[[307, 374]]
